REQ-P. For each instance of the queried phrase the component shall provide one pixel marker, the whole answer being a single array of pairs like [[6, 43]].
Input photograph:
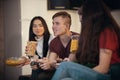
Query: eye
[[40, 25], [57, 23], [34, 26], [53, 23]]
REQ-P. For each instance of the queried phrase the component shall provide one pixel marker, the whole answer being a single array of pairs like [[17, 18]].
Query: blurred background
[[15, 16]]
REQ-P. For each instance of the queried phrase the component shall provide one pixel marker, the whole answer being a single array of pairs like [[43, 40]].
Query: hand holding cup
[[31, 48]]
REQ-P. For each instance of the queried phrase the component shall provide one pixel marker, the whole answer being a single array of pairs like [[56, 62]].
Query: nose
[[37, 27]]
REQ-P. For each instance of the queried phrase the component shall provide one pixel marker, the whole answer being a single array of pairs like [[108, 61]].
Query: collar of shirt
[[39, 39], [39, 46]]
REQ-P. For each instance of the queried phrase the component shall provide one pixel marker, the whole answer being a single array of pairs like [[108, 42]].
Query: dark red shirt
[[109, 40], [57, 47]]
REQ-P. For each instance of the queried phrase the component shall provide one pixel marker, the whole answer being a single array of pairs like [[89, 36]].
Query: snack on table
[[15, 61]]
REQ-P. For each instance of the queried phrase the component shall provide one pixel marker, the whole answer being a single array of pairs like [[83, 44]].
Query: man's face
[[59, 26]]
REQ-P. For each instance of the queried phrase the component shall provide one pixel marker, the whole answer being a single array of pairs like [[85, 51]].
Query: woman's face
[[38, 28]]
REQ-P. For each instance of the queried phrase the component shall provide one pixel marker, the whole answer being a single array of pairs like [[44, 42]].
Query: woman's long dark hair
[[46, 34], [95, 18]]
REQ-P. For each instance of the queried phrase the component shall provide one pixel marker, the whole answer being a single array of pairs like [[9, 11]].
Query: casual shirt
[[109, 40], [39, 47], [57, 47]]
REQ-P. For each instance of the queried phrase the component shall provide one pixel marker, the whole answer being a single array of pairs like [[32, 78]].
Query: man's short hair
[[63, 14]]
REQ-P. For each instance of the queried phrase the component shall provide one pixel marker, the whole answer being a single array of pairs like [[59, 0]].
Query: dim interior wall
[[12, 36], [1, 42], [116, 15]]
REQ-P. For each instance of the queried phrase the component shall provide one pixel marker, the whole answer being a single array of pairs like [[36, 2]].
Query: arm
[[72, 57], [104, 61], [52, 57], [108, 42]]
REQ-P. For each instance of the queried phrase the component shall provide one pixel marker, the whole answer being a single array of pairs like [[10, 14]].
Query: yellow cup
[[74, 43]]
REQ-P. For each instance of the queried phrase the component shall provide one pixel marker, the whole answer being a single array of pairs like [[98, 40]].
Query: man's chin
[[56, 34]]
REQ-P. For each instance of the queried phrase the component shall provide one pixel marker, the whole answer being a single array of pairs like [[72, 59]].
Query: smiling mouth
[[37, 31], [55, 31]]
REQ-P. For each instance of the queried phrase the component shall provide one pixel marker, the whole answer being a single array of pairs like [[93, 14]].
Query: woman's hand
[[26, 50], [26, 61]]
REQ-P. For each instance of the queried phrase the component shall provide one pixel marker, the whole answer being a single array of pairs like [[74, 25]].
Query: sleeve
[[108, 40], [54, 46]]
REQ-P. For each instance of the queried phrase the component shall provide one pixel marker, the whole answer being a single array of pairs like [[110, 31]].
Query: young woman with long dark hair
[[99, 45], [38, 31]]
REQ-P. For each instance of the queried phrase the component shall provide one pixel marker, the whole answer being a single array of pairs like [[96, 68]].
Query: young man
[[60, 45]]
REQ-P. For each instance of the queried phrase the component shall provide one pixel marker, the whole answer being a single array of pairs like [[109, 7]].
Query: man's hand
[[45, 64]]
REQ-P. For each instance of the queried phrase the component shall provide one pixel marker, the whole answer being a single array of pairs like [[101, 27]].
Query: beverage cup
[[74, 43], [31, 48]]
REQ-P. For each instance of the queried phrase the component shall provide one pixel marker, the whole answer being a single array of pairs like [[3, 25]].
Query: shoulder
[[108, 39], [108, 32], [55, 41], [51, 38]]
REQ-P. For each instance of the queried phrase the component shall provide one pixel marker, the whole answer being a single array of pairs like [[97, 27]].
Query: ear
[[67, 26]]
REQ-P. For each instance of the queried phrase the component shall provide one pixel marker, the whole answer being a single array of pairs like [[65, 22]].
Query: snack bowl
[[15, 61]]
